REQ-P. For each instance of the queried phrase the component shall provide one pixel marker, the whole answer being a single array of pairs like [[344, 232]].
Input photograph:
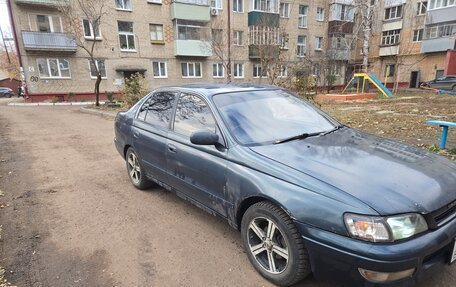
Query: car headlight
[[384, 229]]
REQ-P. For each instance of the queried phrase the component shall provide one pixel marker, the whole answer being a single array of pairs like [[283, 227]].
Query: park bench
[[445, 126]]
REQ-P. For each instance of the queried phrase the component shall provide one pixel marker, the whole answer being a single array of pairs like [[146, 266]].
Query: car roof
[[212, 89]]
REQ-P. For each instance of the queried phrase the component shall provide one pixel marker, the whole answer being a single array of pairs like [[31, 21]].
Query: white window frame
[[283, 72], [51, 22], [341, 12], [421, 8], [301, 47], [393, 11], [48, 66], [159, 63], [318, 41], [239, 69], [126, 34], [157, 40], [391, 37], [302, 18], [238, 36], [240, 6], [99, 37], [219, 70], [217, 4], [96, 63], [417, 35], [439, 4], [194, 70], [285, 11], [257, 71], [270, 6], [123, 5], [320, 14]]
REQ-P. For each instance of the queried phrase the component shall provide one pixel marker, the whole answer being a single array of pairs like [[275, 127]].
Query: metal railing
[[48, 41]]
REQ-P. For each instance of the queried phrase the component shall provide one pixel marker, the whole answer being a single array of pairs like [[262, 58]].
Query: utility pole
[[229, 42], [4, 45]]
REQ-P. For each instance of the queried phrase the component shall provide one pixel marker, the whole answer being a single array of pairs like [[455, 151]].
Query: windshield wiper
[[333, 130], [298, 137]]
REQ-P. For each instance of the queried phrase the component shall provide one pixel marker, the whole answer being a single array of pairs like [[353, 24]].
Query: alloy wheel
[[134, 169], [268, 245]]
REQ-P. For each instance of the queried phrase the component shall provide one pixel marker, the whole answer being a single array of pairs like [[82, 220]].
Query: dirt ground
[[70, 216]]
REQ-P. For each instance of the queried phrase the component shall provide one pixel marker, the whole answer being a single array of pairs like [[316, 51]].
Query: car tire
[[454, 88], [135, 171], [283, 246]]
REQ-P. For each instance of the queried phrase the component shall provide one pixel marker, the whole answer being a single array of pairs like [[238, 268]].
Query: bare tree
[[220, 44], [92, 12]]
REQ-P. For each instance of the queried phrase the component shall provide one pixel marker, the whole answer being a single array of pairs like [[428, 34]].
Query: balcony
[[258, 18], [389, 51], [438, 45], [41, 41], [339, 54], [341, 27], [440, 15], [192, 48], [264, 51], [195, 10], [392, 25], [49, 3]]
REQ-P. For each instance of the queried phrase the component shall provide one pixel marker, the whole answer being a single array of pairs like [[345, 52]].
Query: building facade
[[186, 41]]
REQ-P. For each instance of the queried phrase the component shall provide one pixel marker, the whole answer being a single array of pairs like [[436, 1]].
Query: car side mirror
[[204, 138]]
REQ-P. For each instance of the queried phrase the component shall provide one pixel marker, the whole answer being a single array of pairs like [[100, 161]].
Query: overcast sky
[[4, 19]]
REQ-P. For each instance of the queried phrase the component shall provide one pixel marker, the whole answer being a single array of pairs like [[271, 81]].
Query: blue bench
[[445, 126]]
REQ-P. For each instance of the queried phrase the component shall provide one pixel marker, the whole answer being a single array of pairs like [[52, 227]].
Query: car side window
[[193, 114], [157, 110]]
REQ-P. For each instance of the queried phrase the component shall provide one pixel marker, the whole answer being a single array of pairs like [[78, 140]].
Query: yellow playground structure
[[359, 80]]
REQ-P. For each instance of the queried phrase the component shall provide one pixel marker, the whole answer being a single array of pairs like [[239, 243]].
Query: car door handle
[[172, 148], [135, 134]]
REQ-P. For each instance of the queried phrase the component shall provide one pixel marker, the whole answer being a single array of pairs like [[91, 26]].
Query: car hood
[[389, 176]]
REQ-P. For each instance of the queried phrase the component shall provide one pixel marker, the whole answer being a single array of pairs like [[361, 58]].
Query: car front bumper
[[337, 257]]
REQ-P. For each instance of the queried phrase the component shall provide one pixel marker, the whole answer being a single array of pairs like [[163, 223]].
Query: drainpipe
[[229, 41], [16, 43]]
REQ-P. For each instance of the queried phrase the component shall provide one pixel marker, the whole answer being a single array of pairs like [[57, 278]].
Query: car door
[[196, 172], [149, 132]]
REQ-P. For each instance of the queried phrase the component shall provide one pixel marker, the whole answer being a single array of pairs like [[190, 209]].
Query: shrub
[[109, 96], [134, 89]]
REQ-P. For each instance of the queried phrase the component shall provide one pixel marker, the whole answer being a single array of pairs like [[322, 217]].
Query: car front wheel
[[274, 245], [135, 171]]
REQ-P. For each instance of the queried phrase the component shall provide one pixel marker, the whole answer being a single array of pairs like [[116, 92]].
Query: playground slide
[[379, 85]]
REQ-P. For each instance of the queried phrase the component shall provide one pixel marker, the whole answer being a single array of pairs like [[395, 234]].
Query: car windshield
[[258, 117]]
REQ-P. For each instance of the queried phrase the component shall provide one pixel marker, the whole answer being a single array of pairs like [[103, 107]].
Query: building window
[[257, 71], [191, 70], [284, 40], [156, 33], [342, 12], [160, 69], [283, 72], [100, 65], [417, 35], [53, 68], [238, 6], [265, 5], [238, 71], [89, 31], [393, 12], [389, 70], [318, 43], [335, 69], [316, 70], [217, 70], [301, 49], [237, 38], [126, 36], [284, 10], [191, 30], [391, 37], [422, 6], [123, 5], [262, 35], [435, 4], [320, 14], [49, 24], [217, 4], [302, 16]]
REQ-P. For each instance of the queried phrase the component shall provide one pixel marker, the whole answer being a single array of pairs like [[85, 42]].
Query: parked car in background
[[308, 194], [444, 83], [6, 92]]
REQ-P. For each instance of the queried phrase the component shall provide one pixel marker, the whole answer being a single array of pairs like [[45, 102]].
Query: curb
[[52, 104], [97, 112]]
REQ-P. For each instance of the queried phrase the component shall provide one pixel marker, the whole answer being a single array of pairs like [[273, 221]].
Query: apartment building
[[410, 40], [170, 42], [173, 42]]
